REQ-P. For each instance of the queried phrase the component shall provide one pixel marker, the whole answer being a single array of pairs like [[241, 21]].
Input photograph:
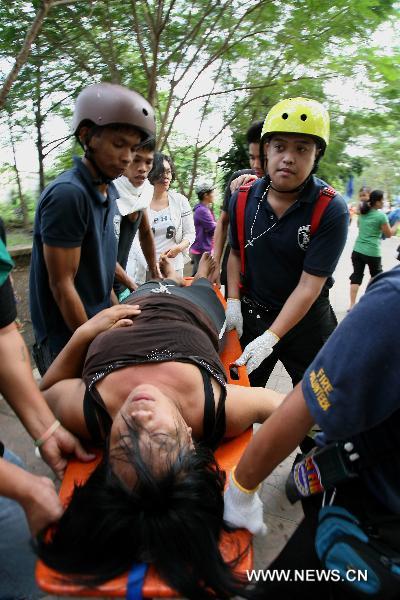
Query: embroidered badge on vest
[[303, 236], [117, 225]]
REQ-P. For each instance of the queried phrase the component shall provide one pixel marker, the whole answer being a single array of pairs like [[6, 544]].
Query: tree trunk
[[38, 125], [39, 145], [21, 197]]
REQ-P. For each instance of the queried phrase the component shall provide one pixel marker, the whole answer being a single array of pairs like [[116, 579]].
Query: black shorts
[[200, 293], [359, 261], [8, 311]]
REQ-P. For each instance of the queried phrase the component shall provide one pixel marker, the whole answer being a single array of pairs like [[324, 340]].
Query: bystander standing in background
[[372, 223], [204, 222]]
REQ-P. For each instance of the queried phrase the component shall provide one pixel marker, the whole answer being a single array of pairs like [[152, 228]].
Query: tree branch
[[60, 142], [115, 76], [192, 33], [61, 2], [136, 27], [23, 54], [53, 106], [167, 15]]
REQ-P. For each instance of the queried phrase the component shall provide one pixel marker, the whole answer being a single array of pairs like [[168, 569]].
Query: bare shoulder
[[65, 398], [246, 406]]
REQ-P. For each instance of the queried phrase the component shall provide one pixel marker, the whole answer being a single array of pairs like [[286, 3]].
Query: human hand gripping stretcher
[[257, 350], [243, 508], [234, 317]]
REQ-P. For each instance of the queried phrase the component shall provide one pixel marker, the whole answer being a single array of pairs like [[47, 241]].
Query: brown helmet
[[109, 103]]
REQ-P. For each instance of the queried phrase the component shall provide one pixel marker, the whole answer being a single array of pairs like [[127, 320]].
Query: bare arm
[[62, 265], [18, 386], [113, 298], [147, 244], [220, 234], [122, 276], [275, 440], [388, 230], [68, 364], [62, 385], [188, 229], [245, 406], [234, 274], [21, 392], [298, 304]]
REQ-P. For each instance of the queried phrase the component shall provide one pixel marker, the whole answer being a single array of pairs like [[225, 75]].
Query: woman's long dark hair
[[374, 197], [173, 521]]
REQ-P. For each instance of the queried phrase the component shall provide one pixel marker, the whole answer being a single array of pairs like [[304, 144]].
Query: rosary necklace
[[252, 239]]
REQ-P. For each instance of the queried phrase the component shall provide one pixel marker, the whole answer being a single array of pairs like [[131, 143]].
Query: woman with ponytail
[[372, 223]]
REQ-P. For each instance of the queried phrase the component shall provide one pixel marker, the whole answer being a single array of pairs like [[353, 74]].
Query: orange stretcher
[[231, 545]]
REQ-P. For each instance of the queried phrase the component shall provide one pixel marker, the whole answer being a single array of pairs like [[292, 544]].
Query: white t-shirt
[[164, 234]]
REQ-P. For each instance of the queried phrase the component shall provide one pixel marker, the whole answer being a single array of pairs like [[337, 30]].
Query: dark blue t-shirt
[[276, 260], [72, 213], [352, 387]]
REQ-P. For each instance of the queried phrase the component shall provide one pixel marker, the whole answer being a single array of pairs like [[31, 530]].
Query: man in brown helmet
[[74, 255]]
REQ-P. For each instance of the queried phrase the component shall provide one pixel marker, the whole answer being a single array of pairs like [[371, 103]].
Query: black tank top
[[169, 329]]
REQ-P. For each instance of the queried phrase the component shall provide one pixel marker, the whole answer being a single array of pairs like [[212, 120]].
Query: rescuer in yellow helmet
[[287, 234]]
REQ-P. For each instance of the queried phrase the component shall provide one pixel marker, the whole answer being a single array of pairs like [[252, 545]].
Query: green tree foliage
[[13, 14], [183, 161], [234, 58], [237, 157]]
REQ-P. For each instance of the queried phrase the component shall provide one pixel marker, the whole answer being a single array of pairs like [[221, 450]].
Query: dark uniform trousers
[[297, 349]]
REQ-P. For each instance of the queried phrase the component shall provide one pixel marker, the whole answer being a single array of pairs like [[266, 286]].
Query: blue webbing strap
[[135, 581]]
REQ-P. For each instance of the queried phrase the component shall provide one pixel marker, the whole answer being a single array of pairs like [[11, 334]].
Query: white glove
[[243, 508], [257, 351], [234, 318]]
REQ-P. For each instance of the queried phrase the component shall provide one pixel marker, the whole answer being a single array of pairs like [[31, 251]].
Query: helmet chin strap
[[102, 178], [299, 188], [296, 189]]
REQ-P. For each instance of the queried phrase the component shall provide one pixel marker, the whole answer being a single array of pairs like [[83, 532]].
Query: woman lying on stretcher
[[145, 379]]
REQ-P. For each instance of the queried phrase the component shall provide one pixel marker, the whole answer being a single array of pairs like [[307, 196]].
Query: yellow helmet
[[298, 115]]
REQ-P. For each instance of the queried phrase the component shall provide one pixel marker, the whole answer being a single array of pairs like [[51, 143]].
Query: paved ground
[[280, 515]]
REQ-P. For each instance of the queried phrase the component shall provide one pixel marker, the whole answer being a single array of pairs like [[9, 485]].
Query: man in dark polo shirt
[[253, 135], [74, 256], [284, 311]]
